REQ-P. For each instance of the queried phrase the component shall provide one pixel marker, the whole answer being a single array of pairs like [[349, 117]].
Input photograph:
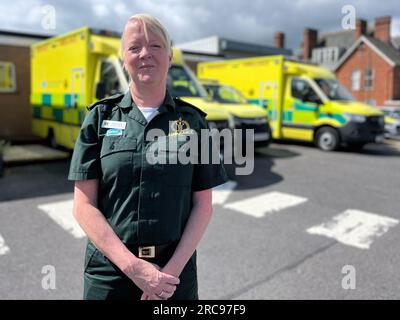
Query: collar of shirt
[[148, 112], [168, 105], [168, 102]]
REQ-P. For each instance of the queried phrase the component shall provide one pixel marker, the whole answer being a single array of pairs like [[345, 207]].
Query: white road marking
[[61, 213], [266, 203], [222, 192], [3, 247], [355, 228]]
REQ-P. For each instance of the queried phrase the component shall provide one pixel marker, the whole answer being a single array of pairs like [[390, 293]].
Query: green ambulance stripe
[[265, 102], [36, 112], [304, 107], [58, 115], [338, 117], [58, 112], [68, 99], [46, 99], [287, 116]]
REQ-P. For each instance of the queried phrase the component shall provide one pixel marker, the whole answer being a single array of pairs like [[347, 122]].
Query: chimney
[[361, 28], [382, 29], [310, 42], [279, 40]]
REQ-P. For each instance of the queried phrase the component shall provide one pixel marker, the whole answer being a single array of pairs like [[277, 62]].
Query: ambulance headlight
[[355, 118]]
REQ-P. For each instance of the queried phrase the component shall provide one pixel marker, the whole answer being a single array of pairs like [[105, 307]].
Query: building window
[[369, 79], [331, 55], [355, 80], [325, 56], [7, 77]]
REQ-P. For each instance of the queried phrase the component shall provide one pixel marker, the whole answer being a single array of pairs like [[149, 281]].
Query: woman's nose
[[145, 52]]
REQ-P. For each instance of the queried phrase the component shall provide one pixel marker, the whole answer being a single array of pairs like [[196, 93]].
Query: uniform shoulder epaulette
[[187, 104], [112, 98]]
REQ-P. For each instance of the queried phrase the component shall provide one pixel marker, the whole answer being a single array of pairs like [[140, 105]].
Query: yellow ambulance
[[73, 70], [304, 102], [245, 115]]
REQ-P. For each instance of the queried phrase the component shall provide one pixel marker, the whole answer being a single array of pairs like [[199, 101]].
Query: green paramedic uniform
[[145, 204]]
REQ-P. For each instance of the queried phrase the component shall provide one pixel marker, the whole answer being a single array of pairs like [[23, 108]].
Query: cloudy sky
[[252, 21]]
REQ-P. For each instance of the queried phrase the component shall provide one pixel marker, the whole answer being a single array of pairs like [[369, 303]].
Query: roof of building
[[342, 39], [220, 45], [396, 42], [14, 38], [389, 53], [23, 34]]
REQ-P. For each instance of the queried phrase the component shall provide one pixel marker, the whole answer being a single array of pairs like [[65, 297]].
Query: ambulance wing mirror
[[100, 90]]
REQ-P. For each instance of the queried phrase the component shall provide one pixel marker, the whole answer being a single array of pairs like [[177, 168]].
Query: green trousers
[[104, 281]]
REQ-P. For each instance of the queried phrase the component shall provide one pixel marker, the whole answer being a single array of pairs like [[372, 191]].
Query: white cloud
[[20, 14], [101, 10], [187, 20], [120, 9]]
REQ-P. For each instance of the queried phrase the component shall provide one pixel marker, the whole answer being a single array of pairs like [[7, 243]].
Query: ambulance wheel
[[327, 139]]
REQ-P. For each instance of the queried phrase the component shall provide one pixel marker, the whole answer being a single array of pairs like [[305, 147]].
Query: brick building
[[370, 68], [366, 60]]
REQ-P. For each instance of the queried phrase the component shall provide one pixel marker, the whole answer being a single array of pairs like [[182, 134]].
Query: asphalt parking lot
[[305, 224]]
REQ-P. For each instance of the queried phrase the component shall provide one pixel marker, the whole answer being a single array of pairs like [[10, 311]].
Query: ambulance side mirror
[[100, 90]]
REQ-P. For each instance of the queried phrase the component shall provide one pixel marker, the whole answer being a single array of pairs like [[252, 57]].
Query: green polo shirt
[[145, 203]]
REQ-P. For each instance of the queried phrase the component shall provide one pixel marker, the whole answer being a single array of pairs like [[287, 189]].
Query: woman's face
[[146, 60]]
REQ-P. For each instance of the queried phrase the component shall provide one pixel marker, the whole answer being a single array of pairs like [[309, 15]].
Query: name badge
[[114, 132], [109, 124]]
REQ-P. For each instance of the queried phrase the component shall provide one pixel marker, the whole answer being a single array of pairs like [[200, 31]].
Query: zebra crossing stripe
[[355, 228], [3, 247], [266, 203], [222, 192], [61, 213]]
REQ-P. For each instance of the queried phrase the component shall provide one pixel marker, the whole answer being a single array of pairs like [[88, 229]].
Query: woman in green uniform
[[143, 220]]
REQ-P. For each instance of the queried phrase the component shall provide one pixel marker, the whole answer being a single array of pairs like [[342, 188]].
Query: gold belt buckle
[[147, 252]]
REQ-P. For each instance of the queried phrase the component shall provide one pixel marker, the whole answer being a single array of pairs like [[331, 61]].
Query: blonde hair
[[154, 25]]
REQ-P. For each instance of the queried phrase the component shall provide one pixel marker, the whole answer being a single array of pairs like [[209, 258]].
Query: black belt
[[150, 252]]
